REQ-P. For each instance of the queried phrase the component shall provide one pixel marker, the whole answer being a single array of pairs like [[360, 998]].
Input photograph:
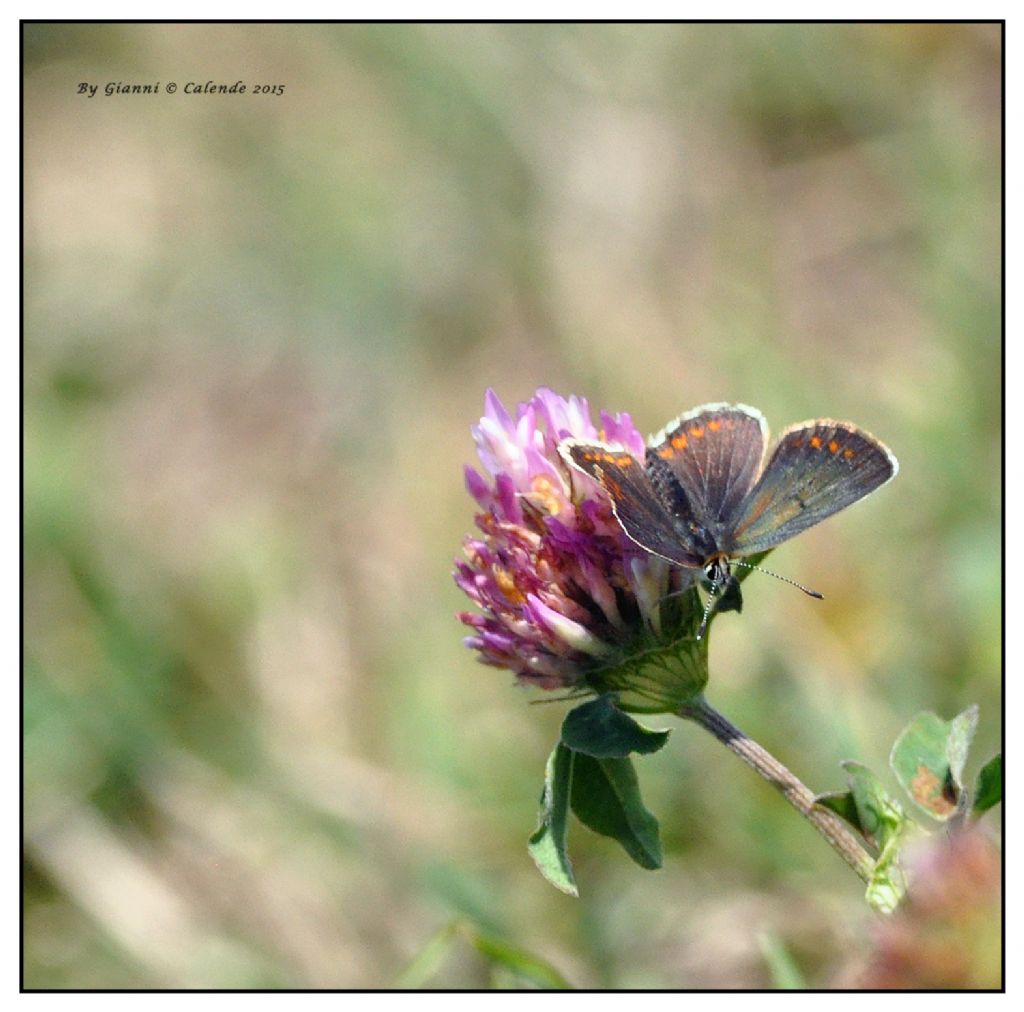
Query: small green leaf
[[730, 599], [886, 888], [429, 959], [786, 975], [928, 759], [880, 816], [961, 734], [522, 963], [600, 729], [882, 821], [843, 804], [888, 884], [606, 798], [988, 790], [547, 845]]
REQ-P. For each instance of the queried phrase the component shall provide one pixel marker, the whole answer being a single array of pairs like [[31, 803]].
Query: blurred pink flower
[[948, 933]]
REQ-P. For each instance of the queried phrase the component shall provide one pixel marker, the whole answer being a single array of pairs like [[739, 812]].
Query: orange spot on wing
[[847, 453], [697, 432], [816, 442], [679, 442], [715, 425], [666, 452], [832, 446], [624, 461]]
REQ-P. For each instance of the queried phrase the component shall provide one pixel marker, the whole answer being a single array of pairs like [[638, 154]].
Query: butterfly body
[[703, 496]]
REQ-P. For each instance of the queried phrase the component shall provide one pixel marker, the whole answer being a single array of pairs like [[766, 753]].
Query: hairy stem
[[826, 822]]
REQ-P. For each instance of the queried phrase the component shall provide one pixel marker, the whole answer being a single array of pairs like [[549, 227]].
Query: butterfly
[[703, 499]]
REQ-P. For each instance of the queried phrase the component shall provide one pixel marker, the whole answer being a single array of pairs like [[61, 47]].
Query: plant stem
[[826, 822]]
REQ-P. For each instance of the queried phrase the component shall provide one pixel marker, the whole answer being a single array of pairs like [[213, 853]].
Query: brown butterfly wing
[[635, 501], [714, 452], [818, 468]]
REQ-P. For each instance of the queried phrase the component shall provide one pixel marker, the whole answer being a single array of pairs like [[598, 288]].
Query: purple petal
[[621, 430], [477, 487], [508, 502], [494, 409], [571, 633]]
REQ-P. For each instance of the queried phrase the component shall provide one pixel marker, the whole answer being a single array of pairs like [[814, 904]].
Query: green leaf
[[730, 599], [522, 963], [606, 798], [600, 729], [867, 801], [547, 845], [883, 821], [879, 815], [429, 959], [786, 975], [988, 790], [887, 887], [928, 759], [843, 804], [961, 734]]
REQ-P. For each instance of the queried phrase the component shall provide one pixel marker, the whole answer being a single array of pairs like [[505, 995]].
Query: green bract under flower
[[566, 601]]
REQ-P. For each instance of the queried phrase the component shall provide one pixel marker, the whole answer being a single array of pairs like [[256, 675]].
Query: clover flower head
[[564, 598]]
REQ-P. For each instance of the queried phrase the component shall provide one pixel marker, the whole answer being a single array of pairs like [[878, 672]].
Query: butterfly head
[[724, 587], [716, 569]]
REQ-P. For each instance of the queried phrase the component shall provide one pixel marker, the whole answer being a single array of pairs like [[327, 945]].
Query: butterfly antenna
[[716, 583], [784, 579]]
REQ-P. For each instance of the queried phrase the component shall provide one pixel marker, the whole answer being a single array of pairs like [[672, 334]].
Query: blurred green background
[[257, 329]]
